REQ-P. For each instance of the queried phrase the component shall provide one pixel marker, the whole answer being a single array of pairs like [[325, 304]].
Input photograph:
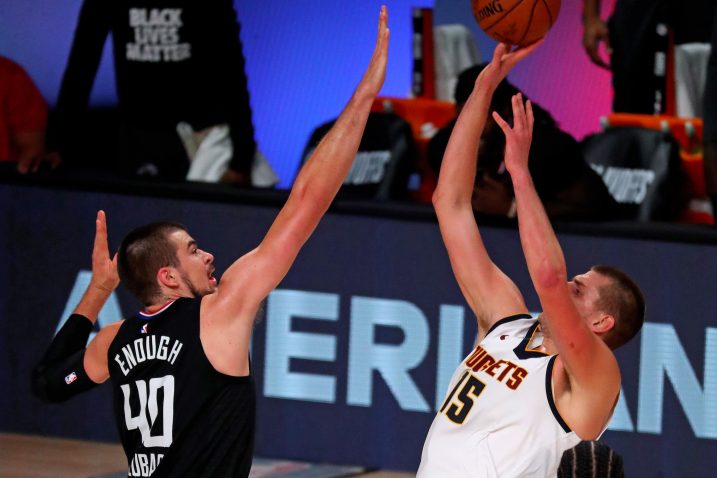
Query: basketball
[[517, 22]]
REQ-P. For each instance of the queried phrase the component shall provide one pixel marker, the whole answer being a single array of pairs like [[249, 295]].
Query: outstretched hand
[[375, 74], [504, 59], [104, 269], [519, 137]]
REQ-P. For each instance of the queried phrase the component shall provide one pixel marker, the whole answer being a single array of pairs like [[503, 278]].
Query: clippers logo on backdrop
[[70, 378]]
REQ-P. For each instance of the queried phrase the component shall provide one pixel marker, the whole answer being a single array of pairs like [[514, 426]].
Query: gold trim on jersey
[[522, 351], [535, 349]]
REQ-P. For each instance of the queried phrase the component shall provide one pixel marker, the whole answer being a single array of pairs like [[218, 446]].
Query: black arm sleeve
[[61, 372]]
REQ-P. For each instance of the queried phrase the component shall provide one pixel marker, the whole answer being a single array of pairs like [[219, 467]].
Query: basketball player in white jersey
[[532, 388]]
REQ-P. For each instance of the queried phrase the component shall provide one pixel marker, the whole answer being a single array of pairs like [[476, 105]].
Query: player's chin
[[212, 287], [209, 289]]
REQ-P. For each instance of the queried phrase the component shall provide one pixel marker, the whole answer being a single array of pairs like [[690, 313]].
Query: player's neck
[[165, 298], [170, 294], [157, 306], [547, 345]]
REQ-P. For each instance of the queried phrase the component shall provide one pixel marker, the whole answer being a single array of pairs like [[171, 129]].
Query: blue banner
[[353, 351]]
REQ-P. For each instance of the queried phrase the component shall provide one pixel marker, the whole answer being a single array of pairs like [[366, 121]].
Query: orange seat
[[687, 131], [425, 116]]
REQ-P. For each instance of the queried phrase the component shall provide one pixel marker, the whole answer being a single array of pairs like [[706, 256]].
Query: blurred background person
[[640, 37], [178, 66], [636, 37], [567, 185], [23, 118]]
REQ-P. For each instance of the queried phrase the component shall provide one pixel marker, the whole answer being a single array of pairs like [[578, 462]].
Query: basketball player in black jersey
[[183, 389]]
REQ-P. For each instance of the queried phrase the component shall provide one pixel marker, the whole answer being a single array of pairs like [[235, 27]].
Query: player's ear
[[603, 323], [168, 277]]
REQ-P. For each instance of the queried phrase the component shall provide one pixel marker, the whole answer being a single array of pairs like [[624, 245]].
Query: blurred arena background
[[356, 345]]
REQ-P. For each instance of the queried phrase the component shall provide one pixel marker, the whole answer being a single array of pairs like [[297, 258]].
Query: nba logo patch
[[144, 329], [71, 378]]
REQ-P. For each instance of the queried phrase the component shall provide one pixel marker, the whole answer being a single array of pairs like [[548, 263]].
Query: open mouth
[[212, 279]]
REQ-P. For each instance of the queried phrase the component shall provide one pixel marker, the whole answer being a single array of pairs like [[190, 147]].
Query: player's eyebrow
[[578, 283], [191, 243]]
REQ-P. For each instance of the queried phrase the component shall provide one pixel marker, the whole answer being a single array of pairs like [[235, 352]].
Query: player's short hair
[[466, 81], [142, 253], [501, 99], [624, 300], [591, 459]]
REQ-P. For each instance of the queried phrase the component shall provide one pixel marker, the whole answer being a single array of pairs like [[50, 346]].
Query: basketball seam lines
[[550, 13], [530, 21], [530, 18]]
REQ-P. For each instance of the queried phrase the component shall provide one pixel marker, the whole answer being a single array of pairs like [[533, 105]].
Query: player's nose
[[208, 257]]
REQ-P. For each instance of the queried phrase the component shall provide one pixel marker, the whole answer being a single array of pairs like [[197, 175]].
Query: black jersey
[[176, 415]]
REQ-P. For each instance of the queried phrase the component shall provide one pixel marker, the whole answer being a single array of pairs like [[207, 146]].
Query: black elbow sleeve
[[61, 372], [59, 381]]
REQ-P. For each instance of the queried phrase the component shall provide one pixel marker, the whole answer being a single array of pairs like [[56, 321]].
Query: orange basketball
[[518, 22]]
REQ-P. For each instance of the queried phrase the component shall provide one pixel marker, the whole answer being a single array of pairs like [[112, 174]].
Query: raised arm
[[587, 392], [250, 279], [67, 368], [488, 291]]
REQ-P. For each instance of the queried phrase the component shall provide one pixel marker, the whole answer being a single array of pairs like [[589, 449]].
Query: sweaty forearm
[[543, 254], [458, 168], [322, 175], [325, 170]]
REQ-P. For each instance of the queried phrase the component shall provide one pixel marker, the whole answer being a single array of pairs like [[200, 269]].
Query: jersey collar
[[148, 315]]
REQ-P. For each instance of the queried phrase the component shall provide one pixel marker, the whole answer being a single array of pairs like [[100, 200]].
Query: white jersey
[[499, 418]]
